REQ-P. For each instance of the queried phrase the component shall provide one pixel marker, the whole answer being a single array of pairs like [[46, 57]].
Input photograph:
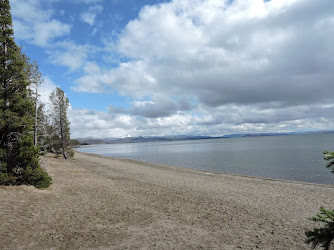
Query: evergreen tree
[[329, 156], [35, 78], [14, 102], [41, 128], [16, 109], [60, 123], [323, 236], [50, 135]]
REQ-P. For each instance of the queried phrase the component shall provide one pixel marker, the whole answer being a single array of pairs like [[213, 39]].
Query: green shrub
[[27, 153], [31, 173], [6, 179], [70, 153], [3, 177], [37, 177]]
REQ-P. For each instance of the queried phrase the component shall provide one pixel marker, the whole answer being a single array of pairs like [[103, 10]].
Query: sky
[[184, 67]]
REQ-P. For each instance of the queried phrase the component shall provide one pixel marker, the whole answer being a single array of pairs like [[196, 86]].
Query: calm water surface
[[293, 157]]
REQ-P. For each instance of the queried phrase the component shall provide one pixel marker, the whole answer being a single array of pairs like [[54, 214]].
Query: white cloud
[[91, 82], [129, 78], [88, 1], [107, 124], [98, 124], [47, 31], [90, 15], [201, 67], [70, 54], [45, 89], [35, 25], [249, 65]]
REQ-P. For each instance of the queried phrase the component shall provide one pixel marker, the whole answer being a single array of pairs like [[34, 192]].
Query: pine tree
[[14, 102], [50, 135], [16, 108], [323, 236], [35, 78], [60, 123], [41, 128], [329, 156]]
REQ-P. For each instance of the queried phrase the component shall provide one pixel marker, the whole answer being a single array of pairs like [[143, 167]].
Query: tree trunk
[[63, 146], [8, 143], [36, 120], [9, 155]]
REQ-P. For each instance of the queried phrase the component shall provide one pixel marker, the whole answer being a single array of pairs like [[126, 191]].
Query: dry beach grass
[[105, 203]]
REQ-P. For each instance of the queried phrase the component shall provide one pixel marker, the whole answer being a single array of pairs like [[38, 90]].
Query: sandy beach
[[98, 202]]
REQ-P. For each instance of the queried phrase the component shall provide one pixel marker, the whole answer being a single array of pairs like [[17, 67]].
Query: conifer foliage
[[323, 236], [18, 155], [329, 156], [60, 124]]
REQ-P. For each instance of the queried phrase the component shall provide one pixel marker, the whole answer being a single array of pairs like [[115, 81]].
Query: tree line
[[26, 130]]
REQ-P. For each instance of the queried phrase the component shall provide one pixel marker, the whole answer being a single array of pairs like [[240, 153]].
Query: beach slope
[[101, 202]]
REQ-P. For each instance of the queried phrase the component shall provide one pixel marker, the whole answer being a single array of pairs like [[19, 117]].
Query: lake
[[286, 157]]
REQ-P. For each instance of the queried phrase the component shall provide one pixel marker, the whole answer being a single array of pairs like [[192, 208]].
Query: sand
[[97, 202]]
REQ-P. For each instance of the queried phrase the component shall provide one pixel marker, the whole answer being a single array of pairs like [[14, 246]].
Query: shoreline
[[203, 171], [103, 202]]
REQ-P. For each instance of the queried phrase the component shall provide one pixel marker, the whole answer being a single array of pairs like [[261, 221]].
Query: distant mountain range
[[92, 140]]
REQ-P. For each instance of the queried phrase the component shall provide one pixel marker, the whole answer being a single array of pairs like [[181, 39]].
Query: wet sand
[[98, 202]]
